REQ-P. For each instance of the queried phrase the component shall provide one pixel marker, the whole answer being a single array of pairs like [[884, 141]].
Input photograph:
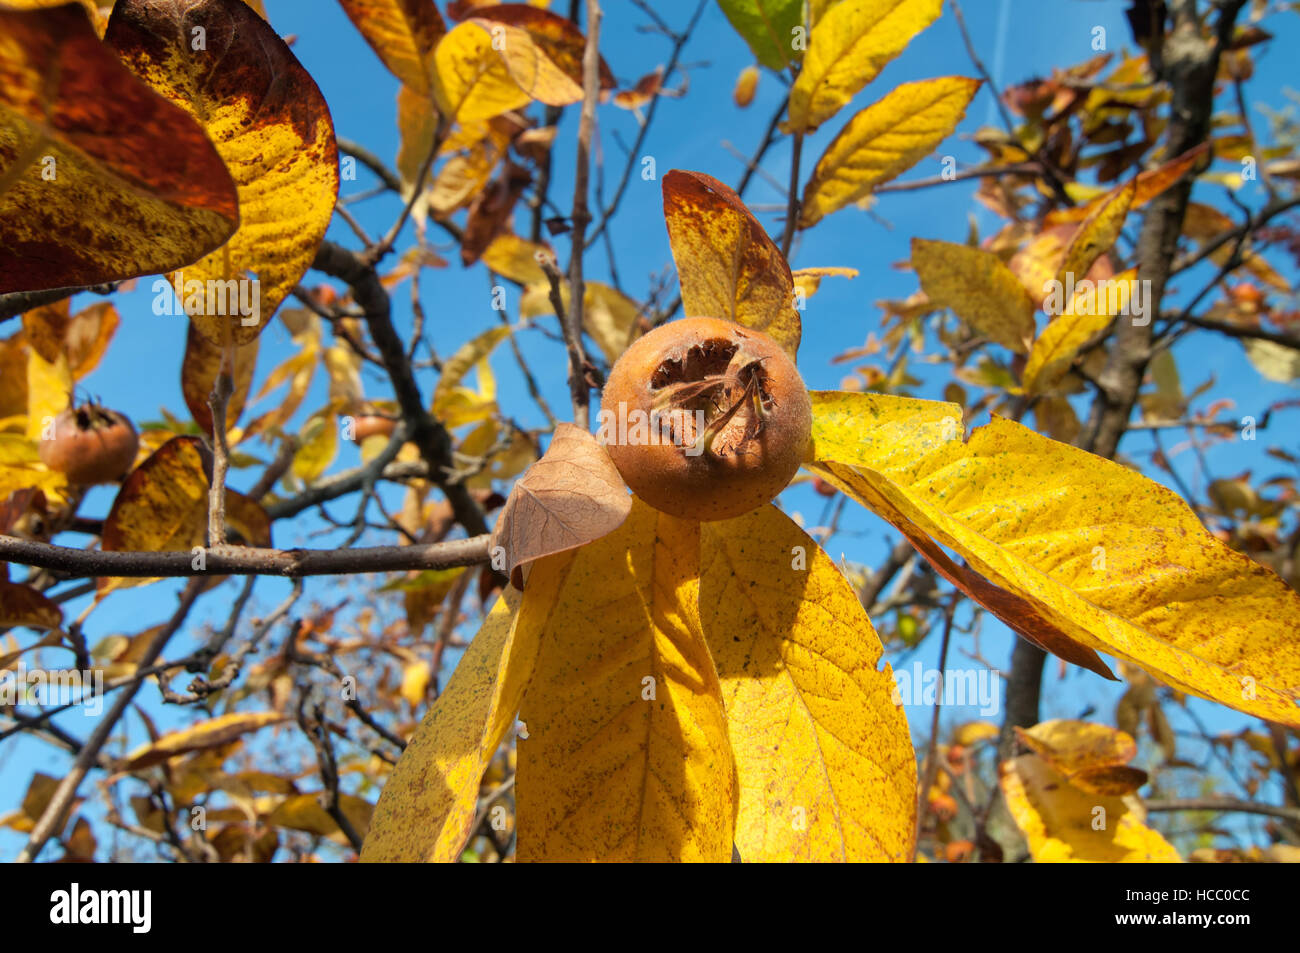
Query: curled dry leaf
[[81, 338], [140, 189], [1090, 756], [20, 604], [542, 51], [569, 497]]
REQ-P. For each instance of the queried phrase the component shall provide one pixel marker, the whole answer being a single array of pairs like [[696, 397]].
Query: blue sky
[[1017, 39]]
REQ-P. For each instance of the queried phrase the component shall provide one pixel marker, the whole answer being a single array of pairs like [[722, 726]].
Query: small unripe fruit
[[91, 444], [706, 419]]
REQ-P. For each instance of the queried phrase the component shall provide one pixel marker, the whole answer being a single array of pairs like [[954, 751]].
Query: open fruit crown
[[706, 667]]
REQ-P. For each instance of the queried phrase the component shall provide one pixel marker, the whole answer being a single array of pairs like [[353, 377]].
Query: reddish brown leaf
[[569, 497], [101, 178], [22, 605]]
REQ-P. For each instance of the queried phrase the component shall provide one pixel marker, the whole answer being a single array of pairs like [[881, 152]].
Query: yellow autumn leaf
[[1114, 561], [271, 126], [318, 446], [1089, 312], [212, 733], [49, 392], [512, 257], [403, 33], [1149, 184], [973, 732], [163, 506], [1277, 362], [823, 755], [627, 757], [455, 405], [1096, 234], [608, 316], [979, 289], [884, 140], [471, 80], [304, 812], [459, 180], [1092, 757], [849, 46], [415, 682], [727, 264], [1063, 824], [199, 369], [746, 87], [427, 806]]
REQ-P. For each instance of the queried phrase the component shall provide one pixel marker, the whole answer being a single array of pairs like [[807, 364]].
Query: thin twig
[[52, 819]]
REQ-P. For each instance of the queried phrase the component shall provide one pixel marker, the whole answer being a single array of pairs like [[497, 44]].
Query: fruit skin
[[91, 444], [367, 424], [751, 456]]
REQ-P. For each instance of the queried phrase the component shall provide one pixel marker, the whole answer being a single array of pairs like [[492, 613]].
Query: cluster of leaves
[[685, 690]]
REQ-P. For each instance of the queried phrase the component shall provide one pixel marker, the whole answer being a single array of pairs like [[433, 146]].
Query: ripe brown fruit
[[367, 423], [705, 419], [943, 806], [958, 851], [90, 444]]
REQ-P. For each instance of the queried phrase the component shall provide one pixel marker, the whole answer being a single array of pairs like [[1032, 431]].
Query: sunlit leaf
[[402, 32], [627, 756], [100, 177], [850, 44], [1064, 824], [211, 733], [979, 288], [270, 125], [1085, 316], [884, 140], [823, 755], [727, 264], [427, 807], [471, 79], [1116, 562]]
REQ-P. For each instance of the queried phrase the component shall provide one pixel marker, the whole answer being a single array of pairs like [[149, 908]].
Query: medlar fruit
[[705, 419], [90, 444]]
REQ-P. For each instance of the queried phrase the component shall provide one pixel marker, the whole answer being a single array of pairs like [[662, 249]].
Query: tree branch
[[245, 561]]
